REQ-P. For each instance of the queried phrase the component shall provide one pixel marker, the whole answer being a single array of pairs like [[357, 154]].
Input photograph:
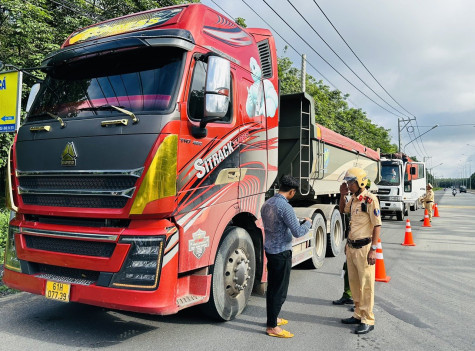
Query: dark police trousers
[[278, 274]]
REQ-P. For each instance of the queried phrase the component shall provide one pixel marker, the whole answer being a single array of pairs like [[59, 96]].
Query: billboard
[[10, 100]]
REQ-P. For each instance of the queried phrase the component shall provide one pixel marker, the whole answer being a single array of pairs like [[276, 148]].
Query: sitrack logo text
[[215, 159], [3, 84]]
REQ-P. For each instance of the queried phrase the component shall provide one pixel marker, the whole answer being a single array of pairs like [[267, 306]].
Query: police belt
[[429, 201], [358, 244]]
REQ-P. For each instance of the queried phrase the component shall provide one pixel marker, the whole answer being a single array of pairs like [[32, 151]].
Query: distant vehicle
[[463, 189], [454, 191]]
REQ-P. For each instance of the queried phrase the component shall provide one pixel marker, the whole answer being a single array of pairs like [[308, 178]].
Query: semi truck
[[137, 178], [403, 181]]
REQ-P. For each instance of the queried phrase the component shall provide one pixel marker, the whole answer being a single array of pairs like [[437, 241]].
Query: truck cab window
[[197, 93], [142, 81]]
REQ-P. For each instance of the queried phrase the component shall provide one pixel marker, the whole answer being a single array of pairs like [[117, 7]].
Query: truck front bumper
[[118, 281], [391, 207]]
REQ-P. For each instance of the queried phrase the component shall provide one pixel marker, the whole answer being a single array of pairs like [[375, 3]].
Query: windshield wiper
[[112, 107], [52, 115]]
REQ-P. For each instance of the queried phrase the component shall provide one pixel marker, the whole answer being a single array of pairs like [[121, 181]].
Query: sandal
[[283, 334], [282, 322]]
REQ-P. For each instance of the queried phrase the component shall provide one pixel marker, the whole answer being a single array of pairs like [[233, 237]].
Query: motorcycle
[[454, 192]]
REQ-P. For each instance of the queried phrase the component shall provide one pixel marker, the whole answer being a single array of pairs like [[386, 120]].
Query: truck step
[[188, 300]]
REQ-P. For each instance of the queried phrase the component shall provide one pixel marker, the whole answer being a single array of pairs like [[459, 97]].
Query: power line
[[73, 8], [328, 63], [281, 37], [329, 46], [324, 14], [453, 125]]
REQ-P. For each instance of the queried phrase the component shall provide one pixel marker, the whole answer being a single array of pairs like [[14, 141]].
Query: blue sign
[[7, 128], [8, 118]]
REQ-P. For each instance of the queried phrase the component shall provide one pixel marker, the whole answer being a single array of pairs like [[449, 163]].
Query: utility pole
[[399, 121], [303, 72]]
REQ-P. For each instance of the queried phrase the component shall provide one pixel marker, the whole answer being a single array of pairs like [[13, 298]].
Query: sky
[[422, 52]]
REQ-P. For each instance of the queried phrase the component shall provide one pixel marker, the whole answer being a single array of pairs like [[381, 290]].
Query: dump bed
[[314, 154]]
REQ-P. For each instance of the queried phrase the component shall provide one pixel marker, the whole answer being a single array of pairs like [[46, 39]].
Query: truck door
[[209, 164]]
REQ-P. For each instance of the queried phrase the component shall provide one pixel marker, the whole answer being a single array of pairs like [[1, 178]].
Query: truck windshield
[[390, 175], [140, 81]]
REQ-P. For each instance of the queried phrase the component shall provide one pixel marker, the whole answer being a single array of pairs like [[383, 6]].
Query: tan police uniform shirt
[[428, 196], [362, 223]]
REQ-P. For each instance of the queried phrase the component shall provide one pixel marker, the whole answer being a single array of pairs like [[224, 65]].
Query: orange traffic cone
[[426, 219], [436, 211], [433, 206], [408, 238], [380, 275]]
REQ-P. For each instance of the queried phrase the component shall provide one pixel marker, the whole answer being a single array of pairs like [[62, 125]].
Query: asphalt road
[[427, 305]]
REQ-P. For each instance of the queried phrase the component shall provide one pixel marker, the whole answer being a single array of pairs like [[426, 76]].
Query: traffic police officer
[[427, 200], [361, 246]]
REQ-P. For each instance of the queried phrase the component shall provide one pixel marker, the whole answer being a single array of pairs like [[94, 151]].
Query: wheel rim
[[337, 233], [237, 271], [319, 241]]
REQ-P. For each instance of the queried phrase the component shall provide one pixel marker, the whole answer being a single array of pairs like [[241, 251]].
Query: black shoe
[[422, 220], [364, 328], [351, 320], [352, 309], [343, 301]]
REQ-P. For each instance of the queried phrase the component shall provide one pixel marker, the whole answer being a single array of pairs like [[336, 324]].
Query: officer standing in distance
[[427, 200], [361, 246]]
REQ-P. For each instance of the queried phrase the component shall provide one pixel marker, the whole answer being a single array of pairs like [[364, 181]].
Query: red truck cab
[[138, 176]]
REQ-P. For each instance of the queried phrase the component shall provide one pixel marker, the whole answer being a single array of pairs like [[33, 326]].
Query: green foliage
[[332, 110], [4, 219], [241, 21]]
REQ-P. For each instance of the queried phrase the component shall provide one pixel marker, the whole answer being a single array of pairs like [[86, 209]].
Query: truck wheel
[[319, 241], [413, 207], [233, 275], [335, 237], [400, 215]]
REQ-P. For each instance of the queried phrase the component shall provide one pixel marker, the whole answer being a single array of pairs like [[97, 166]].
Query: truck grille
[[384, 191], [76, 247], [77, 201], [68, 275], [85, 189]]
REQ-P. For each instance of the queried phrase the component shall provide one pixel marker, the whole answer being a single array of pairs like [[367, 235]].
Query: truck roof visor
[[179, 38]]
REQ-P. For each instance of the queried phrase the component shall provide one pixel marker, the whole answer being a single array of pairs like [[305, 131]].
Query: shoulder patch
[[376, 212]]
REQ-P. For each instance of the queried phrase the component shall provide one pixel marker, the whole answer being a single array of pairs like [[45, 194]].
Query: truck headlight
[[11, 260], [160, 179], [395, 198], [141, 269]]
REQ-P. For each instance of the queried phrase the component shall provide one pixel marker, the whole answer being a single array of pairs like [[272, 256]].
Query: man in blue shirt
[[280, 224]]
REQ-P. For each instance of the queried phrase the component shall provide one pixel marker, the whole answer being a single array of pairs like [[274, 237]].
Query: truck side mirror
[[217, 87], [217, 91], [31, 98]]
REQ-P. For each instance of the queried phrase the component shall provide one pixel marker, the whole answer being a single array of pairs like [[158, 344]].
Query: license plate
[[57, 291]]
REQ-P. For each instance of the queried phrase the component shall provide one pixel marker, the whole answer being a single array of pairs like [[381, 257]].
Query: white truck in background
[[402, 182]]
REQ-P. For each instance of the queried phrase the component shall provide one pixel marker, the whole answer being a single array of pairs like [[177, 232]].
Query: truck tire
[[233, 275], [319, 241], [400, 215], [335, 237]]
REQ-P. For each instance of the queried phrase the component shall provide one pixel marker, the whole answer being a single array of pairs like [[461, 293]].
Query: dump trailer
[[317, 157], [137, 179]]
